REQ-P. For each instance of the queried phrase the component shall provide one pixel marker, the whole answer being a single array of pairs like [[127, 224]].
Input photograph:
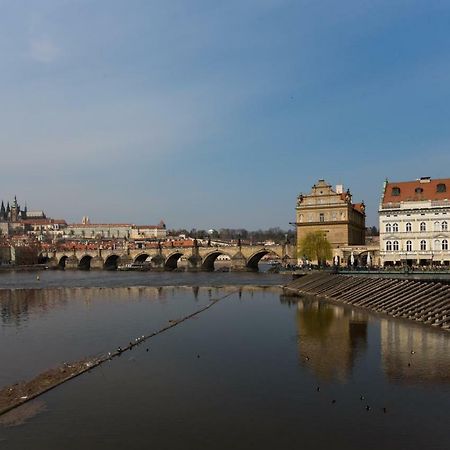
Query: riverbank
[[427, 302]]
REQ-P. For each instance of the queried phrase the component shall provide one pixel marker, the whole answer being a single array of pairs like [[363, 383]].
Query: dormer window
[[419, 190], [395, 191], [441, 187]]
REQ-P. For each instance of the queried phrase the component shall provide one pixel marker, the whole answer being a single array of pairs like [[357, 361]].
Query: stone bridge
[[243, 258]]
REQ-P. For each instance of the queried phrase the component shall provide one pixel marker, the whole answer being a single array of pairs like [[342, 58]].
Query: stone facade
[[144, 232], [98, 230], [332, 212], [116, 231], [415, 222]]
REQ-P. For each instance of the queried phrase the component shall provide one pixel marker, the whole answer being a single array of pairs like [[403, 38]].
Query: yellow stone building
[[332, 212]]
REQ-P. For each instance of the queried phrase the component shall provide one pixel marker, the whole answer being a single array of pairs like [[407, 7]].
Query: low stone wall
[[427, 302]]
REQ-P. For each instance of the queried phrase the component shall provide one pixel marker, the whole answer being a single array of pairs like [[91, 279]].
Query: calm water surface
[[243, 374]]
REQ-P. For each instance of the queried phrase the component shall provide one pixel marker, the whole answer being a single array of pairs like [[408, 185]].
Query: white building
[[87, 230], [415, 222], [98, 230]]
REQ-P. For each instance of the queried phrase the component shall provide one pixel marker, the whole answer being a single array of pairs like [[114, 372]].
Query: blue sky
[[213, 114]]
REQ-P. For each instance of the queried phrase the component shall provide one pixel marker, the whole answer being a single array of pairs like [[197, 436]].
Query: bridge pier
[[125, 259], [71, 263], [97, 263], [157, 262], [52, 263], [194, 263], [195, 260], [239, 263]]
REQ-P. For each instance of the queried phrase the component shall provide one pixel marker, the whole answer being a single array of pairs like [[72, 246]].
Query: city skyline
[[211, 116]]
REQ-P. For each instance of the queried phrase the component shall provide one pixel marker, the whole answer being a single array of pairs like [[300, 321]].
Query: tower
[[2, 212], [15, 211]]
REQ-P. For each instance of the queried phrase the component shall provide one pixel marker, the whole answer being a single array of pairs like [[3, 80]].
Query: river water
[[255, 371]]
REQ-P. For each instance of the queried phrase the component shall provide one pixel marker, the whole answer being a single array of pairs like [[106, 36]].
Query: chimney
[[339, 188]]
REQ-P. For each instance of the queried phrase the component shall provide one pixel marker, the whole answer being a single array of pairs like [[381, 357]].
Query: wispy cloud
[[44, 50]]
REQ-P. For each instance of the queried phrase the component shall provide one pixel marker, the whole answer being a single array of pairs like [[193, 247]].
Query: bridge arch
[[111, 262], [142, 257], [62, 262], [210, 258], [85, 262], [253, 260], [172, 261]]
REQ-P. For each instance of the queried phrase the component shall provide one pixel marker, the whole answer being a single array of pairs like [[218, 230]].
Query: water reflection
[[330, 337], [414, 354], [16, 305]]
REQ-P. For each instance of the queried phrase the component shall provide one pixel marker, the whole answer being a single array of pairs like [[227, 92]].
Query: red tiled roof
[[408, 190]]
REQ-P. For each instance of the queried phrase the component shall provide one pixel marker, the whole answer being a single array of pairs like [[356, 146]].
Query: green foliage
[[316, 247]]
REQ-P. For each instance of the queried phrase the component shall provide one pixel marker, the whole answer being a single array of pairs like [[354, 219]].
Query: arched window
[[445, 244], [388, 228], [423, 245], [395, 227], [441, 187], [437, 226], [408, 227], [389, 246], [409, 246], [395, 246], [423, 226], [444, 226], [395, 191]]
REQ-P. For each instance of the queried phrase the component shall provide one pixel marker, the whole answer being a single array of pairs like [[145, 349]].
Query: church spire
[[2, 212]]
